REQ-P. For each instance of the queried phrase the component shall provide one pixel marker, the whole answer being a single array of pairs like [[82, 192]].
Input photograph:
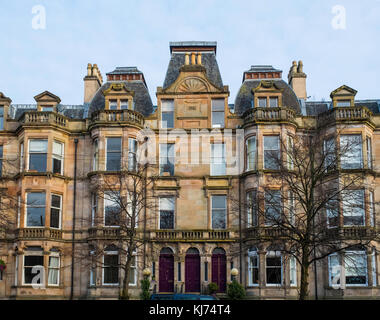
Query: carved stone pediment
[[117, 88]]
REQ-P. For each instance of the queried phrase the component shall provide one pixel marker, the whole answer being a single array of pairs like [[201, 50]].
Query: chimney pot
[[199, 58], [193, 58], [187, 59]]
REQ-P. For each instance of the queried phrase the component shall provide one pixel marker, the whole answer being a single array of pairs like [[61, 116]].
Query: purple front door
[[218, 262], [192, 273], [166, 273]]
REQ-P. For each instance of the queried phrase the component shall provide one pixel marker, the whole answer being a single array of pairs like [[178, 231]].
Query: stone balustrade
[[39, 233], [119, 116], [345, 114], [269, 115], [44, 118]]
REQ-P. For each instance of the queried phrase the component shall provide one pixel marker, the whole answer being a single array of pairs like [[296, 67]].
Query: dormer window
[[47, 108], [113, 105], [273, 102], [343, 103], [262, 102]]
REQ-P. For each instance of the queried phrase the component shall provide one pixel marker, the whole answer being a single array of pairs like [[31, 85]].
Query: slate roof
[[142, 100], [71, 111], [263, 68], [244, 98], [124, 70], [177, 60], [372, 105], [314, 108]]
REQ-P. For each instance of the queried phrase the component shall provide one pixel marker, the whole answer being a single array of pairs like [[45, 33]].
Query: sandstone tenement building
[[50, 151]]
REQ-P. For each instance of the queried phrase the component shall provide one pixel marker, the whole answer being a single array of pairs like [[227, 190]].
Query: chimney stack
[[297, 80], [92, 82]]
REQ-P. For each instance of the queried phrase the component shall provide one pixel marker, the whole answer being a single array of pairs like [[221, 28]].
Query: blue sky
[[137, 33]]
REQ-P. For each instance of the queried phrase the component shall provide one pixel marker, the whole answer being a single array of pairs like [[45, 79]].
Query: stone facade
[[72, 144]]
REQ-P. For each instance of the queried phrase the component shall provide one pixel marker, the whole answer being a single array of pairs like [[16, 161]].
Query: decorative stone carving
[[192, 85]]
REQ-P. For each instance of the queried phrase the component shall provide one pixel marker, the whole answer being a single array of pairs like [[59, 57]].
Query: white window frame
[[362, 252], [132, 153], [47, 150], [121, 152], [26, 211], [249, 153], [275, 254], [344, 192], [159, 213], [251, 267], [57, 156], [124, 102], [57, 269], [95, 156], [214, 157], [217, 125], [374, 268], [272, 150], [110, 253], [22, 156], [344, 159], [134, 268], [293, 271], [112, 104], [167, 109], [60, 210], [36, 253], [104, 208], [219, 209], [369, 152], [290, 152], [94, 208]]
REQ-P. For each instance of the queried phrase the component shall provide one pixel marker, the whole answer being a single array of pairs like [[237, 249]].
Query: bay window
[[217, 113], [58, 151], [351, 151], [35, 209], [271, 152], [113, 154], [38, 154], [219, 212], [1, 160], [251, 153], [329, 154], [253, 266], [355, 264], [1, 117], [218, 159], [167, 212]]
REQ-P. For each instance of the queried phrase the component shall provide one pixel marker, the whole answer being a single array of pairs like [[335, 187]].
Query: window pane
[[57, 148], [113, 161], [54, 218], [273, 206], [38, 146], [353, 207], [252, 208], [356, 268], [273, 102], [167, 158], [114, 144], [251, 153], [218, 119], [273, 270], [217, 104], [167, 120], [29, 263], [351, 151], [37, 162], [57, 165], [271, 152], [262, 102], [219, 212], [111, 270], [343, 103], [167, 203], [166, 219]]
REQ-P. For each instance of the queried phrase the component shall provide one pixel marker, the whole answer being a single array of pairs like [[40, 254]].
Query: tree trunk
[[304, 288], [125, 287]]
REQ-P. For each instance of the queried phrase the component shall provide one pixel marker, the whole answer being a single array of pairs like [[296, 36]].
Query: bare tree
[[127, 198], [315, 177]]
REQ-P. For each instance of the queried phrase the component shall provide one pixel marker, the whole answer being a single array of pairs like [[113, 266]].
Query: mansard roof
[[142, 100], [177, 60], [245, 97]]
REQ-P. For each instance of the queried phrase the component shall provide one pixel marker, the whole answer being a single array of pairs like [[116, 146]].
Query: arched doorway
[[219, 271], [166, 271], [192, 271]]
